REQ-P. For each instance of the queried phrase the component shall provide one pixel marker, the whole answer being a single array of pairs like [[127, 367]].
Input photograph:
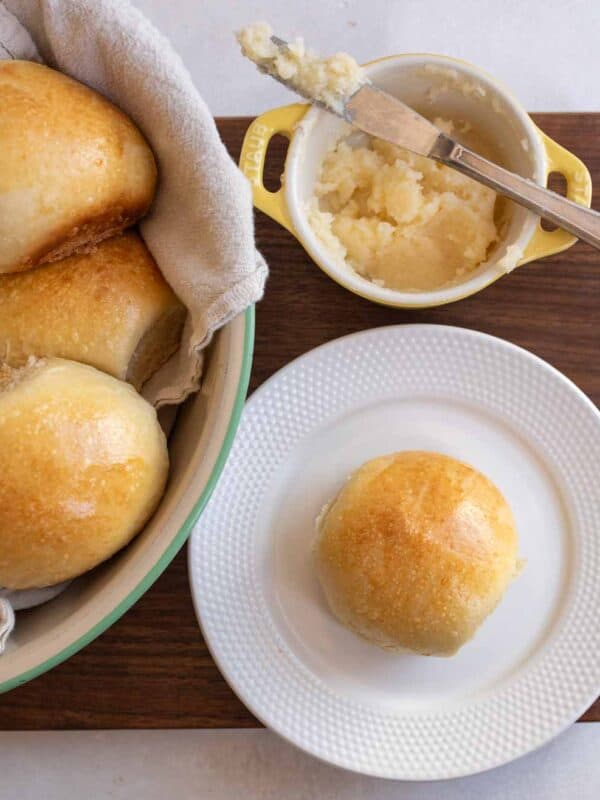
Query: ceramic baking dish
[[198, 446], [437, 86]]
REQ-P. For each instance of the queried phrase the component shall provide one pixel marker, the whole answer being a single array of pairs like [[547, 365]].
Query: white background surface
[[548, 54], [257, 765], [546, 51]]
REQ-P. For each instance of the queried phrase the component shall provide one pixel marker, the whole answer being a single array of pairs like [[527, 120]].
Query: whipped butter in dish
[[401, 220]]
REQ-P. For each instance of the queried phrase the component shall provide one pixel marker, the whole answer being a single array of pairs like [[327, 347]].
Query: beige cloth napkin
[[200, 228], [7, 622]]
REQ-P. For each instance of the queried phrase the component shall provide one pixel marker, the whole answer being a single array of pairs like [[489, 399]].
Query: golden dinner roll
[[415, 552], [110, 308], [73, 168], [84, 465]]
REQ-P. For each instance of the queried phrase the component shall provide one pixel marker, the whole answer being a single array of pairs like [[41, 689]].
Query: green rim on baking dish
[[181, 536]]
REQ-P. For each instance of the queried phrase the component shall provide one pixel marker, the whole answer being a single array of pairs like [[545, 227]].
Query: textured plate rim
[[264, 712]]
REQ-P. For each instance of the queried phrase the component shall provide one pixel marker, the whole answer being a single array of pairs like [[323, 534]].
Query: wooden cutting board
[[152, 668]]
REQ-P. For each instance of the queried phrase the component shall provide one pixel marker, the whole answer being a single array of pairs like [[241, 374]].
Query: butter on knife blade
[[340, 85], [327, 81]]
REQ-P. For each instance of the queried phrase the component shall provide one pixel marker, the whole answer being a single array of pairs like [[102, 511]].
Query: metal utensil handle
[[578, 220]]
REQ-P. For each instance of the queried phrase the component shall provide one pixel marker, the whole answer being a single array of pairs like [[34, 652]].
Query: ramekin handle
[[281, 120]]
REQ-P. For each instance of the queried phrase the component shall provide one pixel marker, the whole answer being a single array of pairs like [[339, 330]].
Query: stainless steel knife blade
[[384, 116]]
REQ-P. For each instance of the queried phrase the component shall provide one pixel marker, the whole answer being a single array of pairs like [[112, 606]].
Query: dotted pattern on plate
[[538, 701]]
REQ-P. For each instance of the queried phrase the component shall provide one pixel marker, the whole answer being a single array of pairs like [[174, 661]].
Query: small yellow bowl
[[456, 90]]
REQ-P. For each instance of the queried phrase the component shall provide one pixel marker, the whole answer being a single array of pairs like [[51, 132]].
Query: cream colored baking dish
[[199, 445]]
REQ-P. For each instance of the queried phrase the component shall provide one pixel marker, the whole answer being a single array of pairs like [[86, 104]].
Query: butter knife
[[381, 115]]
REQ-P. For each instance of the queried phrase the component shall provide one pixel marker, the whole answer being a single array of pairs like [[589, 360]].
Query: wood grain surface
[[152, 668]]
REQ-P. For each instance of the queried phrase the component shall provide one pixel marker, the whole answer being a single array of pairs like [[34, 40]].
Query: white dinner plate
[[532, 668]]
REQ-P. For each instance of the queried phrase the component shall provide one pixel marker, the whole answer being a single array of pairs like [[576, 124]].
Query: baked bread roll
[[110, 308], [73, 168], [84, 465], [415, 551]]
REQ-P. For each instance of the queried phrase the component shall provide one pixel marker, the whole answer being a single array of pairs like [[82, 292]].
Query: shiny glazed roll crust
[[415, 552], [110, 308], [73, 168], [83, 466]]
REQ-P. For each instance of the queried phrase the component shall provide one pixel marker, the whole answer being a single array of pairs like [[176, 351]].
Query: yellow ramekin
[[437, 85]]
